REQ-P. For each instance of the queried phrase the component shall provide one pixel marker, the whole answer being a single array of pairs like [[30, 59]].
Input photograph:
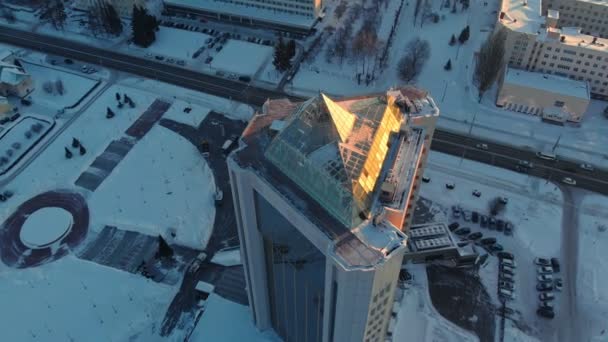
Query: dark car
[[15, 117], [505, 255], [453, 226], [483, 221], [26, 102], [476, 193], [245, 79], [462, 231], [544, 286], [475, 236], [546, 313], [555, 264], [475, 217], [68, 61], [426, 179], [500, 225], [450, 186], [488, 241], [496, 247], [506, 270]]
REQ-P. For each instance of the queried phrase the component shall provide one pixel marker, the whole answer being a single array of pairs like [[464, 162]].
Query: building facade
[[321, 232], [124, 8], [14, 81], [590, 15], [550, 96], [536, 43]]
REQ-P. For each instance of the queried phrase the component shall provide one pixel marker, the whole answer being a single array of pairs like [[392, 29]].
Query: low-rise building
[[14, 81], [550, 96], [535, 43]]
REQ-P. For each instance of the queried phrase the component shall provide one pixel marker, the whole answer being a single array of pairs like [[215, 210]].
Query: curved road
[[500, 155]]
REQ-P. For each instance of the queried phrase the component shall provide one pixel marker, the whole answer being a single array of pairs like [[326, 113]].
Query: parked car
[[546, 313], [542, 261], [488, 241], [505, 255], [492, 223], [544, 277], [558, 284], [569, 181], [475, 217], [453, 226], [26, 102], [587, 167], [506, 294], [483, 221], [546, 305], [475, 236], [160, 58], [555, 264], [506, 271], [455, 211], [450, 186], [466, 215], [508, 262], [506, 285], [462, 231], [426, 179], [546, 296], [476, 193], [508, 228], [506, 277], [504, 200], [544, 286], [496, 247], [500, 225]]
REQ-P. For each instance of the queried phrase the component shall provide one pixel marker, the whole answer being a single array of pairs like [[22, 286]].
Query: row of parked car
[[545, 269], [465, 234], [506, 276], [484, 221]]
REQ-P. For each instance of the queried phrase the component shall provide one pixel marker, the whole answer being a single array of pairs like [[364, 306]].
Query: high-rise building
[[323, 192]]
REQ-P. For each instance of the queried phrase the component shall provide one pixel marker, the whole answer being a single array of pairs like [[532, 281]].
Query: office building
[[323, 192], [536, 43], [550, 96], [590, 15]]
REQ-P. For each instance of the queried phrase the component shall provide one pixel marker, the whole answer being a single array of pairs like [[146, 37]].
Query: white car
[[587, 166], [569, 181], [542, 262], [482, 146], [508, 263], [544, 270], [545, 277]]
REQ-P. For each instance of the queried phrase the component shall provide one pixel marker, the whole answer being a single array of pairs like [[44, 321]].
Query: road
[[452, 143]]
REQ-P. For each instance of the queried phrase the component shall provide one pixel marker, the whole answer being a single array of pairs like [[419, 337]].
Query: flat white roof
[[261, 14], [551, 83], [522, 15]]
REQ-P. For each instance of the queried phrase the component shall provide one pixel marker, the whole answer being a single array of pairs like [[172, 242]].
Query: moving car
[[569, 181], [546, 156], [482, 146], [587, 167]]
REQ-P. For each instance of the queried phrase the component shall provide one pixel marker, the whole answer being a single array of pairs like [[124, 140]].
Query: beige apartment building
[[535, 43], [553, 97], [590, 15]]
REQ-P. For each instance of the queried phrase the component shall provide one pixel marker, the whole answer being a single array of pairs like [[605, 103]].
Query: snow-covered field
[[176, 43], [534, 208], [75, 86], [241, 58], [417, 319], [75, 300], [226, 321]]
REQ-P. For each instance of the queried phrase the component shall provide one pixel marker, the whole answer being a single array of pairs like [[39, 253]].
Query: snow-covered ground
[[75, 300], [175, 43], [75, 86], [592, 272], [417, 319], [241, 58], [45, 226], [226, 321], [19, 140], [534, 208]]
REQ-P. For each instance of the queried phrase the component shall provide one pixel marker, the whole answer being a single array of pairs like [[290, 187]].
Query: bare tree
[[490, 61], [53, 11], [410, 65], [365, 45]]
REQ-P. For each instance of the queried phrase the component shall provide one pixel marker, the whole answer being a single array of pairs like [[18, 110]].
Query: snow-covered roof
[[261, 14], [522, 15], [12, 75], [551, 83], [572, 36], [596, 2]]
